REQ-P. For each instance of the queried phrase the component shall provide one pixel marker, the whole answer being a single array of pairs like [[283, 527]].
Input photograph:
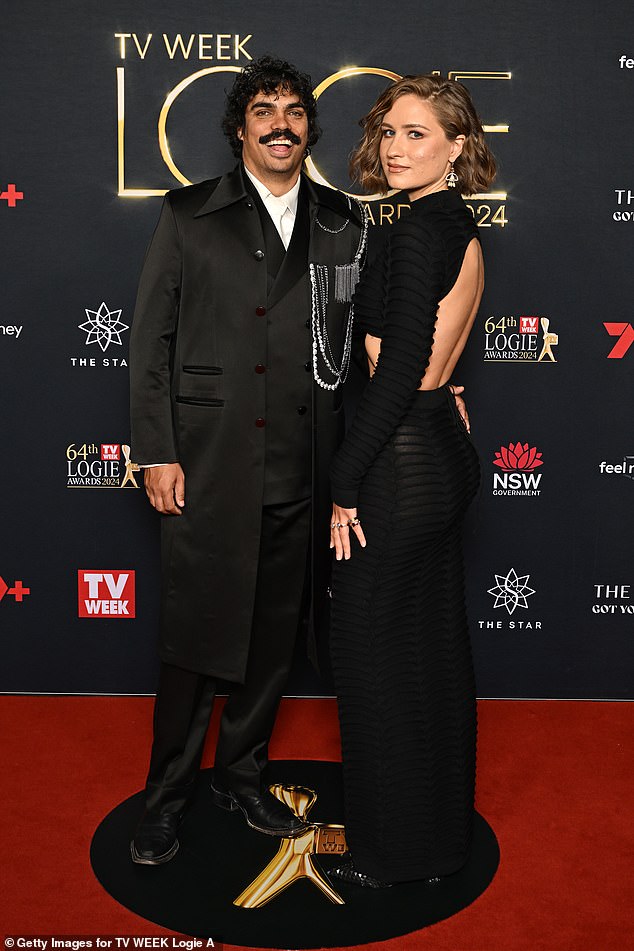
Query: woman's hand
[[341, 523], [460, 404]]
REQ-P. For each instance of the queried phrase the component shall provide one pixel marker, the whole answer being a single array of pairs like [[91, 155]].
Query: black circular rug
[[219, 856]]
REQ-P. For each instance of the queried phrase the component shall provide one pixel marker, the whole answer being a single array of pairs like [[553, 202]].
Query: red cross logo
[[18, 590], [11, 195]]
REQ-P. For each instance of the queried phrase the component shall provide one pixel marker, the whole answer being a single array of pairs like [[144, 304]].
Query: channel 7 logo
[[625, 333]]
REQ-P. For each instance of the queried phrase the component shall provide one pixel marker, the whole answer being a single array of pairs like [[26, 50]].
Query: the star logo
[[103, 327], [511, 591]]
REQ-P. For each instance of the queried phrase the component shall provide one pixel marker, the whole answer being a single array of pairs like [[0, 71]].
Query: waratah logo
[[512, 458], [517, 462]]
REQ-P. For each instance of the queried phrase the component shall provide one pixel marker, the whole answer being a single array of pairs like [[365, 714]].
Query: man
[[239, 345]]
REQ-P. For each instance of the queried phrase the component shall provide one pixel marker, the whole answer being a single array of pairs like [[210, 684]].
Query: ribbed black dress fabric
[[399, 641]]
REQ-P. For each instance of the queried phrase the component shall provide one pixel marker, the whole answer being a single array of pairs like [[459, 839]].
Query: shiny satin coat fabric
[[198, 334]]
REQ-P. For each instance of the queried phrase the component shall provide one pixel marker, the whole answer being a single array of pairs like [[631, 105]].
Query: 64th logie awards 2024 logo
[[100, 466], [520, 339]]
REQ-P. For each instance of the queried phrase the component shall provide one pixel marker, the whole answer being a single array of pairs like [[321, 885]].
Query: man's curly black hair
[[267, 74]]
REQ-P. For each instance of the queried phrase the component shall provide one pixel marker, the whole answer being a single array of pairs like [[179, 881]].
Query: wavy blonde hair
[[454, 110]]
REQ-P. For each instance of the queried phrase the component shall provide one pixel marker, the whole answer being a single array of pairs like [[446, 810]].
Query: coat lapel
[[295, 263], [275, 250], [228, 191]]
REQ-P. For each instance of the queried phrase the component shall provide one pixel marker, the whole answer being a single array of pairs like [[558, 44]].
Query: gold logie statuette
[[294, 859], [550, 340], [130, 468]]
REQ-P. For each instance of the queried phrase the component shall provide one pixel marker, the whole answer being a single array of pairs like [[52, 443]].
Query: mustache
[[280, 134]]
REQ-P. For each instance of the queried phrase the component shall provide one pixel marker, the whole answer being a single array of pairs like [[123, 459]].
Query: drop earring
[[451, 178]]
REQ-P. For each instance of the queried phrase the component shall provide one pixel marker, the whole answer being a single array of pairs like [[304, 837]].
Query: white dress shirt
[[281, 208]]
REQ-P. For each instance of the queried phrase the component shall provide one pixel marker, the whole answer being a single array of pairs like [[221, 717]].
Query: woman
[[401, 483]]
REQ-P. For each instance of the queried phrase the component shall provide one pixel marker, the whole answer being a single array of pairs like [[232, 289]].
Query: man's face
[[274, 137]]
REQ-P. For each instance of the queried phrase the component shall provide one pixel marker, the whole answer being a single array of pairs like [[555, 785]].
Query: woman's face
[[415, 152]]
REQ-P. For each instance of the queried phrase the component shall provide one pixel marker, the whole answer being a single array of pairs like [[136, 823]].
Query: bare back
[[455, 316]]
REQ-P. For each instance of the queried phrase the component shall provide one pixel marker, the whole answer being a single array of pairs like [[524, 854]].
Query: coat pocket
[[199, 400], [202, 370]]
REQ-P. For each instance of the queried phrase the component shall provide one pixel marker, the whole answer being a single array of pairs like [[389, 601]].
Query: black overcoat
[[198, 332]]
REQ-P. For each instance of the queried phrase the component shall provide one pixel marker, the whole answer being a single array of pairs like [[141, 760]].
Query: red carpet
[[554, 781]]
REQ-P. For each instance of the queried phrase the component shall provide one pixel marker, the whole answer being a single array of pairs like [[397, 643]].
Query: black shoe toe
[[263, 811], [348, 874], [155, 840]]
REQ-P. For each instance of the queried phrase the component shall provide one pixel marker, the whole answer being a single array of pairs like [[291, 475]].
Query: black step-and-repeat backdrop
[[105, 106]]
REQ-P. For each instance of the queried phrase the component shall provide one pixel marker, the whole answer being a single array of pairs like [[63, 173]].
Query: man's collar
[[290, 197], [231, 189]]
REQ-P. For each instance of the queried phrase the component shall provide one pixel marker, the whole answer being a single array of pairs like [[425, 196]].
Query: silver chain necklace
[[346, 279]]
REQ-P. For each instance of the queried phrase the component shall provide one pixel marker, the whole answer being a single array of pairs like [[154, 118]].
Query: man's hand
[[460, 404], [165, 487], [340, 536]]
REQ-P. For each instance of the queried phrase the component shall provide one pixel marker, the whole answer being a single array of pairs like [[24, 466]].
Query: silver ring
[[353, 522]]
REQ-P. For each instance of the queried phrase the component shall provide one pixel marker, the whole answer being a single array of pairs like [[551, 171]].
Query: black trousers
[[184, 698]]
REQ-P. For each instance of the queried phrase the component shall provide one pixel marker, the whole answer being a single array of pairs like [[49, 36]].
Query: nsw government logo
[[511, 593], [517, 339], [517, 462], [103, 328], [100, 466], [106, 593]]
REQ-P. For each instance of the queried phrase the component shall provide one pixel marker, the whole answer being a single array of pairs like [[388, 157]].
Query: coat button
[[260, 368], [260, 311], [301, 410], [260, 422], [308, 325], [258, 255], [249, 204], [308, 366]]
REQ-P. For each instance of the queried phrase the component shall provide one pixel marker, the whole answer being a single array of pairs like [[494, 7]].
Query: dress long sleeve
[[414, 263]]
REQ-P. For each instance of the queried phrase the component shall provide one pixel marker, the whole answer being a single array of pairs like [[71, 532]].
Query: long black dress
[[399, 641]]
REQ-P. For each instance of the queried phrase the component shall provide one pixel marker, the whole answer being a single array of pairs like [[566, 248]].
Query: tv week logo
[[106, 593], [529, 325], [110, 452]]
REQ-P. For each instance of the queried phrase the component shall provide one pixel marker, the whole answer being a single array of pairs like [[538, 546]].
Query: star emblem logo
[[511, 591], [103, 327]]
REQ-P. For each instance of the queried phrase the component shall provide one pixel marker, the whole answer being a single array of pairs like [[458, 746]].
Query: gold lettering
[[143, 51], [178, 43], [122, 37], [123, 191], [238, 46], [459, 74], [222, 44], [167, 105], [386, 213], [203, 47], [311, 168]]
